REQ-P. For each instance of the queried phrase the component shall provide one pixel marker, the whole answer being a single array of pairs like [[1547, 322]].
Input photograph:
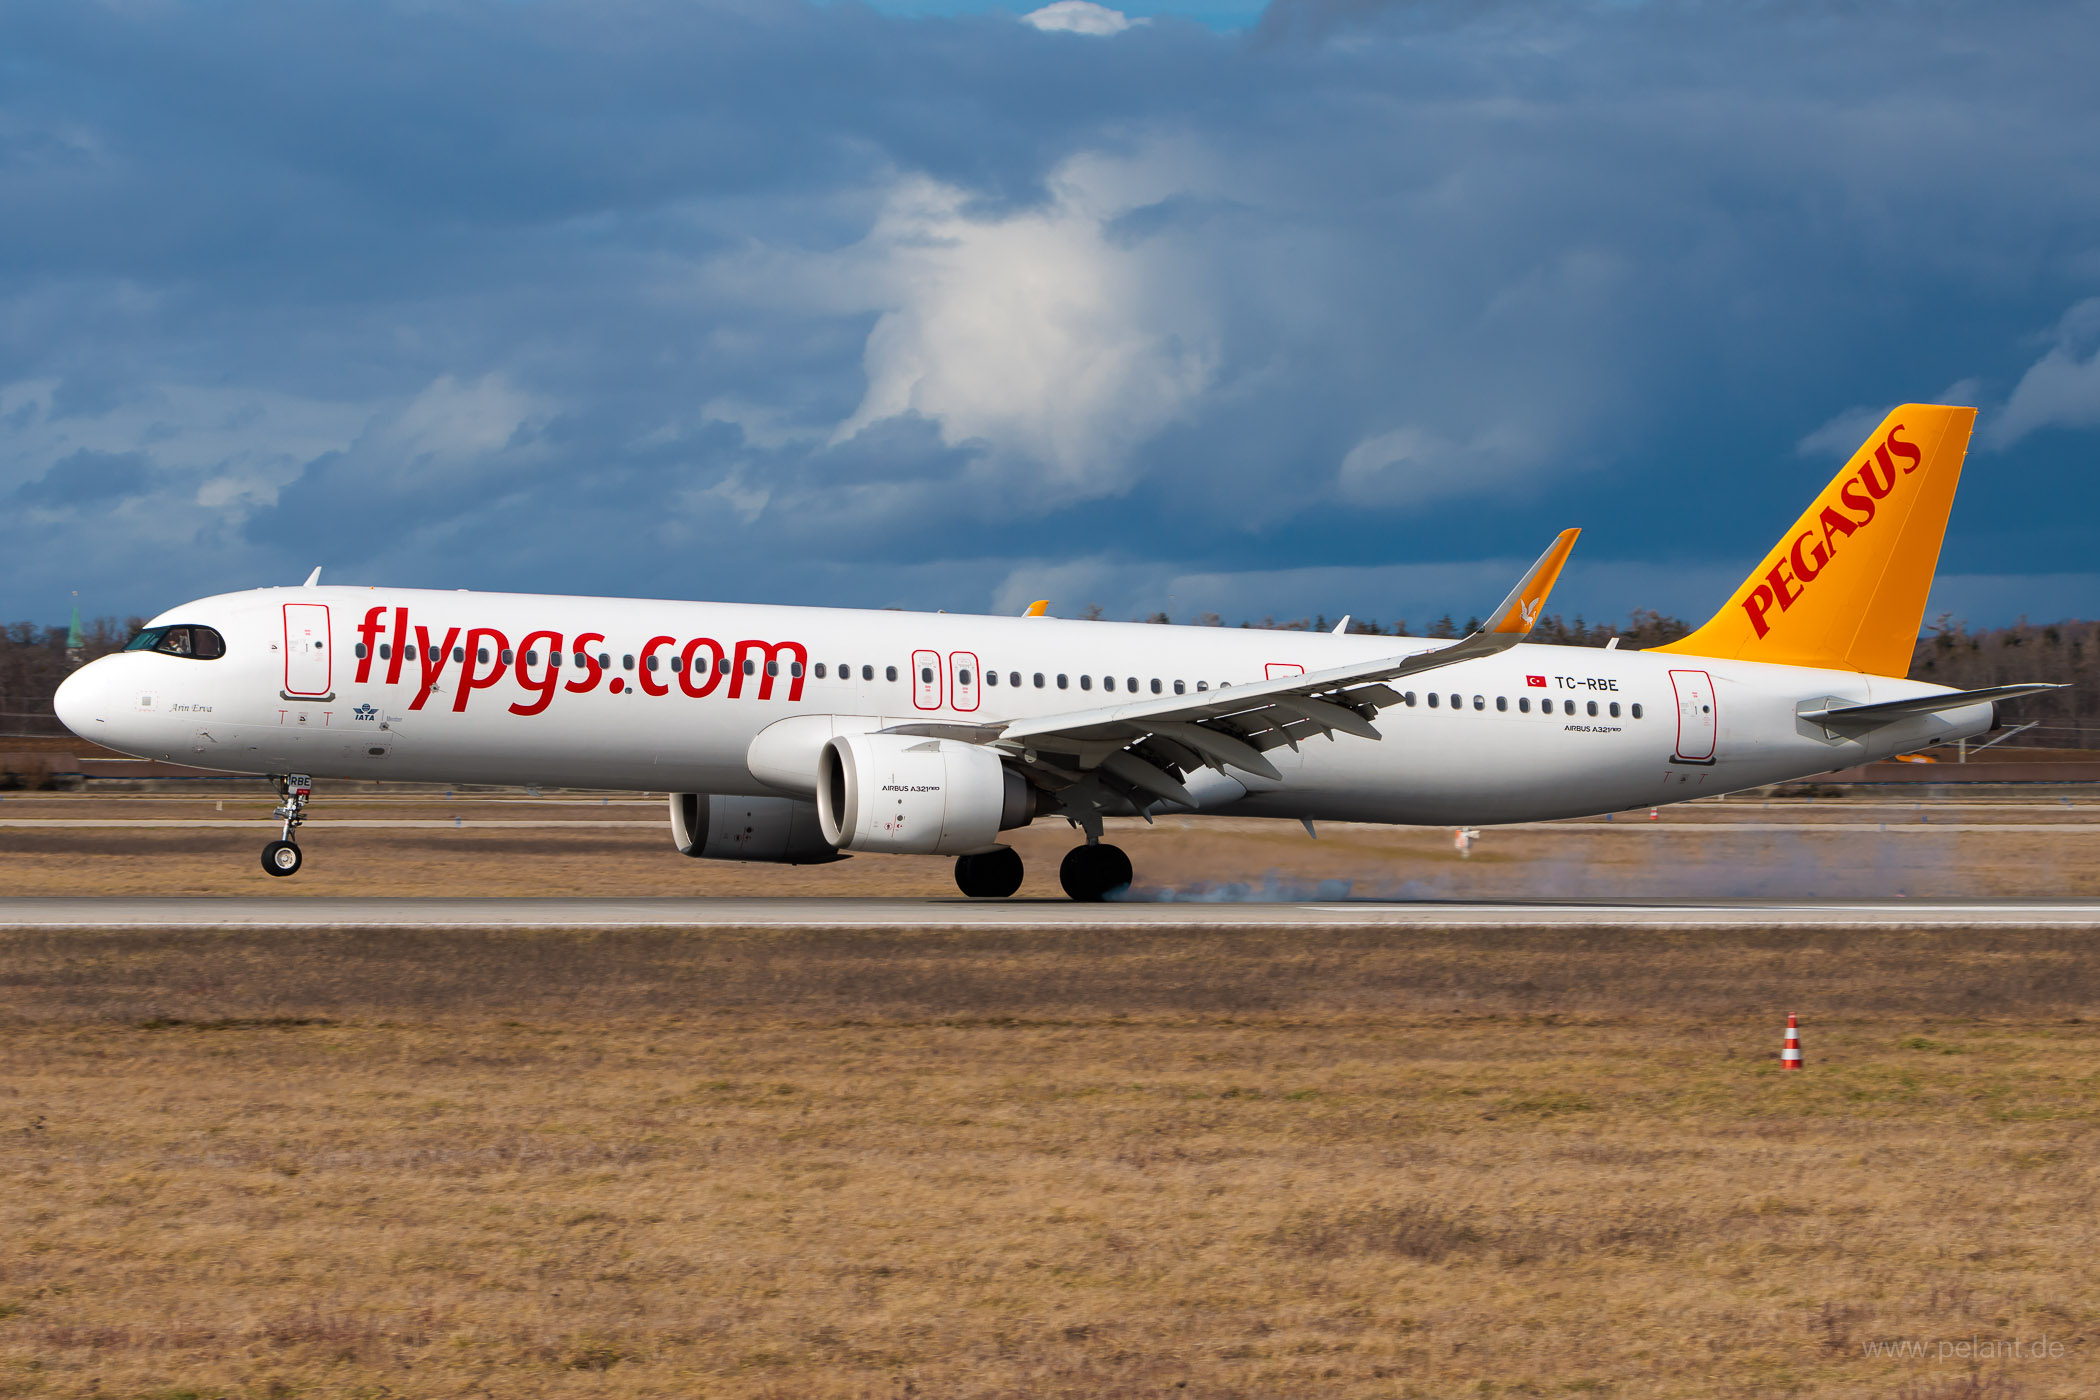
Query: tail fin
[[1845, 589]]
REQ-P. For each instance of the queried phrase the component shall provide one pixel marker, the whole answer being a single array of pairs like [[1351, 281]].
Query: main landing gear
[[1090, 873], [281, 857], [1093, 872], [989, 874]]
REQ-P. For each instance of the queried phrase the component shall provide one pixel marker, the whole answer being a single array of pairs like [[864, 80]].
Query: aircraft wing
[[1139, 750]]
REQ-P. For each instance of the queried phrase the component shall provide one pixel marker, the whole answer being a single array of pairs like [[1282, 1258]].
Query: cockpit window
[[197, 643]]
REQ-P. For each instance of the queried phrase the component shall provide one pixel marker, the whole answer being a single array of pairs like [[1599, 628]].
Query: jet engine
[[907, 795], [777, 829]]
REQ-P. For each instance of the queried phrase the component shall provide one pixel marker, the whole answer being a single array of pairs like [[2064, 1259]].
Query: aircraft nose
[[82, 701]]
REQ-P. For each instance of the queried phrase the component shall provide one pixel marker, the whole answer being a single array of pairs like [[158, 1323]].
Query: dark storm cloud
[[772, 300], [84, 478]]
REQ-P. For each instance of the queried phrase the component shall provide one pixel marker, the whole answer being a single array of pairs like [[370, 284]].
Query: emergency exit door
[[962, 680], [1696, 721], [926, 679], [307, 664]]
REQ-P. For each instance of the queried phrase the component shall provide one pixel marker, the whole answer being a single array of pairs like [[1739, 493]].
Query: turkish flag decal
[[1539, 682]]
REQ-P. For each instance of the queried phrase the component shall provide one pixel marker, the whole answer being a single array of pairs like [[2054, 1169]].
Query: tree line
[[34, 659]]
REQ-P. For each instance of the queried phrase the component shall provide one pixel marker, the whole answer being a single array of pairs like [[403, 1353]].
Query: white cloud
[[1034, 332], [1079, 17], [2059, 390], [1841, 436], [1411, 465]]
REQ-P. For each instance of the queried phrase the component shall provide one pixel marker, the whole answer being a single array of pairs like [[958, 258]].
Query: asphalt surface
[[126, 912]]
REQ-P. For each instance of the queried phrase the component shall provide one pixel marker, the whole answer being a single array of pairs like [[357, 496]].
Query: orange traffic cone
[[1790, 1053]]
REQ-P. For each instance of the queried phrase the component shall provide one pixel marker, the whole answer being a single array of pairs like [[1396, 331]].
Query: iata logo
[[366, 712], [1787, 580]]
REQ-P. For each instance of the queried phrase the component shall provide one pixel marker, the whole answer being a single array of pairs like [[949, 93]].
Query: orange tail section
[[1845, 589]]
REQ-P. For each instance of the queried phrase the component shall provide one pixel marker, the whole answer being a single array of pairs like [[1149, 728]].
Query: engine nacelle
[[778, 829], [908, 795]]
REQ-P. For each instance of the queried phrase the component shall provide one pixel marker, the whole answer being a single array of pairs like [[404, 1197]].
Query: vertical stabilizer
[[1845, 588]]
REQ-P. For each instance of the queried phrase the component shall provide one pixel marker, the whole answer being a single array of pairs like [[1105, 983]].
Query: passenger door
[[926, 679], [962, 680], [307, 664], [1697, 725]]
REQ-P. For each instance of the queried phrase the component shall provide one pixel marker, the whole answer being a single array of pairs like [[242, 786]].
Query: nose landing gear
[[282, 857], [1092, 872]]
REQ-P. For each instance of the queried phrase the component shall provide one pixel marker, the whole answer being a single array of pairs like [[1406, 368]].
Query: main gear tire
[[1091, 874], [989, 874]]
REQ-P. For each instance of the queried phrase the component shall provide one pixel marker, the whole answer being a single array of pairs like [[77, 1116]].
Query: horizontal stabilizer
[[1889, 711]]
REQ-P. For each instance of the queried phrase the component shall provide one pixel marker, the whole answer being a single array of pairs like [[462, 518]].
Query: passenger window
[[459, 655], [1086, 682], [1457, 703], [1203, 685], [605, 660], [772, 668], [1130, 684], [554, 659], [1567, 707], [1636, 709], [1502, 703], [1614, 709], [867, 673], [1480, 702], [820, 669], [721, 665], [386, 652], [532, 658], [750, 667], [581, 659], [1107, 683], [1062, 683], [1181, 688], [1038, 680], [1523, 704], [408, 653], [1155, 685], [359, 651], [1013, 678], [677, 664], [963, 676], [1432, 700], [1408, 699], [506, 656], [889, 672], [650, 661], [990, 678], [627, 661], [481, 655], [1593, 709], [926, 675]]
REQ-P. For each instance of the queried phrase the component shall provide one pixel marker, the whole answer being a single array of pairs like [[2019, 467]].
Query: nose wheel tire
[[1092, 873], [282, 858], [989, 874]]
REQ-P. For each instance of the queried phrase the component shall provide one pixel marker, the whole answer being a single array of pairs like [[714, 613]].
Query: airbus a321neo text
[[798, 735]]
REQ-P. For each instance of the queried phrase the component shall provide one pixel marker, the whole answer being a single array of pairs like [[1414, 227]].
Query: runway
[[322, 913]]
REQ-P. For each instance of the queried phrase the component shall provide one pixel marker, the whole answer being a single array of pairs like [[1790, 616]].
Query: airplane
[[801, 735]]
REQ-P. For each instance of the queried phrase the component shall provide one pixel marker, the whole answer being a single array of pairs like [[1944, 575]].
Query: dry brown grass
[[1201, 1162], [625, 849]]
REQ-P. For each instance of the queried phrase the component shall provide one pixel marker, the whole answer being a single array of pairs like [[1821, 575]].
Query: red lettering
[[545, 685], [393, 665], [589, 679], [1858, 500], [1820, 555], [1782, 584], [433, 662], [1757, 605], [647, 677], [368, 631], [766, 669], [1866, 474], [469, 681], [1904, 449], [1833, 519], [713, 668]]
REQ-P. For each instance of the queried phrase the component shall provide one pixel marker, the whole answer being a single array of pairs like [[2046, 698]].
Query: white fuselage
[[1528, 734]]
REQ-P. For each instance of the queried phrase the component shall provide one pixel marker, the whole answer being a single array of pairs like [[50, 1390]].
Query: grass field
[[1203, 1163]]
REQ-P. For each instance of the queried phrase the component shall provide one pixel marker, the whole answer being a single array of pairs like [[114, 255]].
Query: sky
[[1324, 306]]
